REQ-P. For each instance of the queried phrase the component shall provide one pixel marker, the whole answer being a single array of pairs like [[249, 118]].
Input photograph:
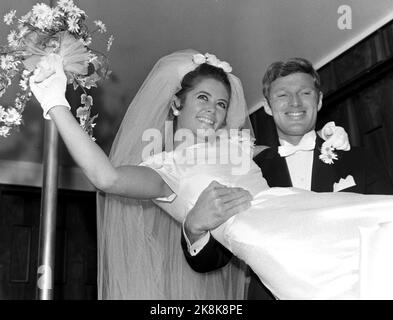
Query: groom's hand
[[215, 205]]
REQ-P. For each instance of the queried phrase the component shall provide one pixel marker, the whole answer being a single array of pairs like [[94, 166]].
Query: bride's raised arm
[[130, 181]]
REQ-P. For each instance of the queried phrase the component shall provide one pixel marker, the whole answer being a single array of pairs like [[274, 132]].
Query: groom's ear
[[320, 100], [266, 106]]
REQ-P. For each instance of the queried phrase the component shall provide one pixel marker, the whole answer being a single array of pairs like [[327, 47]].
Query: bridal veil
[[139, 251]]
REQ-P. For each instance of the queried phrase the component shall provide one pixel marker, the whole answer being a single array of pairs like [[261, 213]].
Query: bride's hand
[[49, 82], [215, 205], [335, 136]]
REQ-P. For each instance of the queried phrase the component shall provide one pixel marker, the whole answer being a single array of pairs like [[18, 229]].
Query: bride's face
[[204, 107]]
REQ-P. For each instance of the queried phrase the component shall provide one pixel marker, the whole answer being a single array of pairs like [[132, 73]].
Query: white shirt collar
[[311, 135]]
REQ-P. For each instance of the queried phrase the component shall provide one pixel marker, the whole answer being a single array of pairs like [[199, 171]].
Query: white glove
[[335, 136], [49, 82]]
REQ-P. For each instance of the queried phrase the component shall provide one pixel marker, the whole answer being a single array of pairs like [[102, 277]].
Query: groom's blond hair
[[284, 68]]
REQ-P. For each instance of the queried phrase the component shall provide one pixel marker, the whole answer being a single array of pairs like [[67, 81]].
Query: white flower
[[9, 17], [75, 12], [327, 155], [56, 12], [13, 116], [65, 5], [13, 39], [18, 103], [26, 73], [73, 24], [7, 62], [83, 114], [225, 66], [2, 113], [212, 60], [199, 58], [4, 131], [87, 42], [70, 8], [101, 26], [110, 42], [87, 100], [4, 61], [43, 16], [26, 18], [24, 84], [41, 10]]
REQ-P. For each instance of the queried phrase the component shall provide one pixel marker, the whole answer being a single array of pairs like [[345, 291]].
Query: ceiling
[[249, 34]]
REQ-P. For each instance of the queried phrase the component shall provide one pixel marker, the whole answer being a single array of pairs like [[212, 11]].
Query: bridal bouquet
[[43, 30]]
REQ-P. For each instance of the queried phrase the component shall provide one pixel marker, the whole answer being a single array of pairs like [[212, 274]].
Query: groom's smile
[[296, 115]]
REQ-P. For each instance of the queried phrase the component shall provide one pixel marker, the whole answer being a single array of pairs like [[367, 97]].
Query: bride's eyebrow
[[205, 92], [208, 94], [224, 100]]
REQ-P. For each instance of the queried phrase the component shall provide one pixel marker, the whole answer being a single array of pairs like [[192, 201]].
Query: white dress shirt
[[300, 163], [198, 245]]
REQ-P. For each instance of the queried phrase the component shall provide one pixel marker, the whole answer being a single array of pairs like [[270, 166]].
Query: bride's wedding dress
[[302, 244]]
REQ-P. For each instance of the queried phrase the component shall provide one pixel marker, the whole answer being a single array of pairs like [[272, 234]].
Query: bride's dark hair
[[203, 71]]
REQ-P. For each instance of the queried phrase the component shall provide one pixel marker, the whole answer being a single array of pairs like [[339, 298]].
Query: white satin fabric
[[303, 245], [376, 261], [307, 245]]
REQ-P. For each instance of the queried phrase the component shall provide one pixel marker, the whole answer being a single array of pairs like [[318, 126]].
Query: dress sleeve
[[164, 164]]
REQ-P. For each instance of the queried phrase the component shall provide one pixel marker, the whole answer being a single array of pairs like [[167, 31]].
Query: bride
[[139, 256]]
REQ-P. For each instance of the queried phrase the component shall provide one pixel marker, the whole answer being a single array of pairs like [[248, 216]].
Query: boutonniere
[[327, 153], [335, 139]]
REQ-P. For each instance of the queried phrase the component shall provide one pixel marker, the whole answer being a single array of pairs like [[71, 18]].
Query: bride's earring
[[175, 111]]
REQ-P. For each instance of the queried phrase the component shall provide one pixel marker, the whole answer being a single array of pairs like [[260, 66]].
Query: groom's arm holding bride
[[215, 205], [203, 252]]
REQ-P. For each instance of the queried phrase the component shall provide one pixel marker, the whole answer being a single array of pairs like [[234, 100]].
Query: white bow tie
[[289, 149]]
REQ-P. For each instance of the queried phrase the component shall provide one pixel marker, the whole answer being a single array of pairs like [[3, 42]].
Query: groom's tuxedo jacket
[[368, 174]]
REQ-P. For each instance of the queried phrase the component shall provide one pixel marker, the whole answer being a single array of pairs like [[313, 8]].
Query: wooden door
[[75, 256]]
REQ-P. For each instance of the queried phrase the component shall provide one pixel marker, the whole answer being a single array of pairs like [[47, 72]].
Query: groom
[[293, 98]]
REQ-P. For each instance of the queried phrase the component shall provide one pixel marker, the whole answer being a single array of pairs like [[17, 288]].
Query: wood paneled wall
[[75, 261], [357, 87]]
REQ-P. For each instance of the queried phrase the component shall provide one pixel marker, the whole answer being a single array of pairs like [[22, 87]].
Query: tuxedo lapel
[[274, 168], [323, 175]]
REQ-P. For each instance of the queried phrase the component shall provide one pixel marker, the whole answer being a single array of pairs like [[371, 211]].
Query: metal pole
[[47, 233]]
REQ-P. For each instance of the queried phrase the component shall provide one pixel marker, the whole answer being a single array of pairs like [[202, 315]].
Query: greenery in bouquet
[[43, 30]]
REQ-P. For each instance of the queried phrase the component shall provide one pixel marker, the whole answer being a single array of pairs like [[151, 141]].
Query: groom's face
[[294, 102]]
